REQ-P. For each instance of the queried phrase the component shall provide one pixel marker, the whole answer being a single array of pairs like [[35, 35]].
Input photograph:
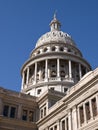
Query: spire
[[55, 24]]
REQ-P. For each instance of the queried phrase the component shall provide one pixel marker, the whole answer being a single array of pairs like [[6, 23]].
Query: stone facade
[[59, 90]]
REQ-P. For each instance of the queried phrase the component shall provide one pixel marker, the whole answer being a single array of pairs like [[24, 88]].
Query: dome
[[55, 63], [55, 35]]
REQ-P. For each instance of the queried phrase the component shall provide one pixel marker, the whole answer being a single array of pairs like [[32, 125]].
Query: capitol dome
[[55, 63], [55, 35]]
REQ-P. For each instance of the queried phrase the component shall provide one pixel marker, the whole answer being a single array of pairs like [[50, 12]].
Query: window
[[38, 91], [65, 89], [41, 113], [62, 74], [55, 127], [63, 125], [94, 107], [88, 116], [6, 110], [53, 73], [24, 116], [12, 112], [9, 111], [61, 49], [44, 111], [81, 114], [69, 50], [31, 115], [53, 48], [67, 126], [45, 49], [27, 115]]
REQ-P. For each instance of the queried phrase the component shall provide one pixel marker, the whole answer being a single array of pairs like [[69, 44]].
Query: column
[[46, 70], [70, 120], [70, 70], [58, 68], [58, 125], [35, 78], [74, 118], [27, 80], [91, 111], [80, 72], [1, 107], [97, 103], [19, 114], [22, 81]]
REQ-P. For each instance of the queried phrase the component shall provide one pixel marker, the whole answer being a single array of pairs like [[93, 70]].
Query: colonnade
[[73, 120], [26, 73], [87, 111]]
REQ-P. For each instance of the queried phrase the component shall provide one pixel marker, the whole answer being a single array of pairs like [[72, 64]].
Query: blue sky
[[22, 22]]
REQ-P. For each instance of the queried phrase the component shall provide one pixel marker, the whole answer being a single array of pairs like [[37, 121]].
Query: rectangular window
[[55, 127], [67, 126], [6, 110], [87, 107], [63, 125], [31, 113], [42, 113], [38, 91], [94, 107], [65, 89], [12, 112], [24, 115], [81, 115]]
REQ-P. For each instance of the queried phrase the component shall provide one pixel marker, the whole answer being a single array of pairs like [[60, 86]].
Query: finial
[[55, 13]]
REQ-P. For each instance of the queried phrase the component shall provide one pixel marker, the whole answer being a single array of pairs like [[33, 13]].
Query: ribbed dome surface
[[55, 36]]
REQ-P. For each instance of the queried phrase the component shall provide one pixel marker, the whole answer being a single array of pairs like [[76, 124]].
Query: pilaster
[[74, 117], [70, 119]]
